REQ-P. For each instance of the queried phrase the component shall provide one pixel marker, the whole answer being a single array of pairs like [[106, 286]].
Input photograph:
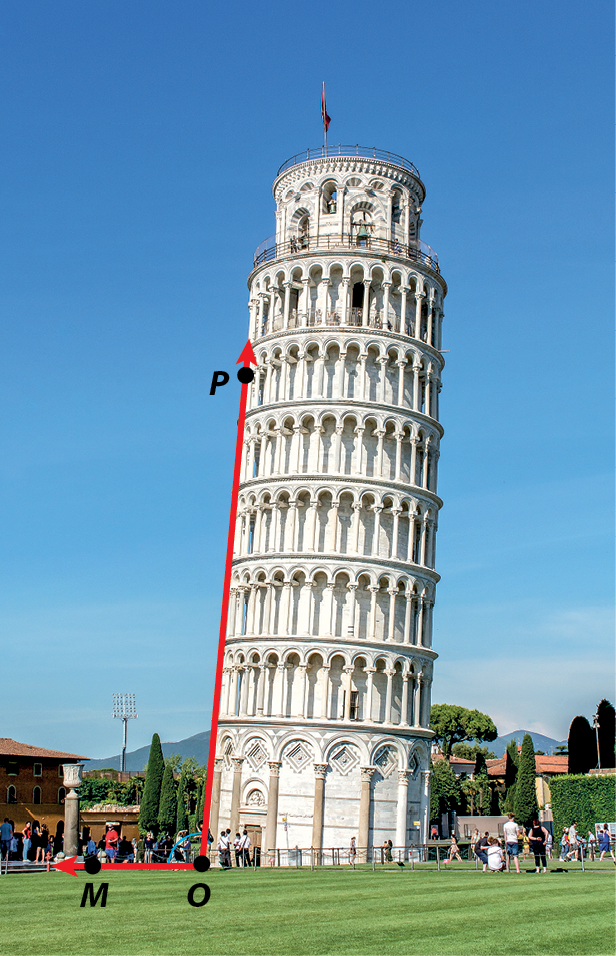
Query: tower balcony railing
[[416, 250], [361, 152], [355, 318]]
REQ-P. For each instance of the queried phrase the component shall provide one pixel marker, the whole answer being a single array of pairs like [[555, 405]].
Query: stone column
[[419, 297], [416, 702], [424, 811], [235, 794], [388, 696], [271, 822], [364, 812], [399, 436], [380, 434], [72, 781], [419, 622], [392, 613], [372, 621], [345, 300], [278, 695], [325, 692], [354, 535], [408, 617], [370, 671], [351, 588], [320, 769], [387, 287], [348, 671], [359, 433], [287, 300], [261, 685], [215, 807], [404, 290], [404, 707], [366, 305], [377, 530], [300, 692], [332, 530], [402, 809]]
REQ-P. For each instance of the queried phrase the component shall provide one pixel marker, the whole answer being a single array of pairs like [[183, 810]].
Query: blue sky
[[140, 141]]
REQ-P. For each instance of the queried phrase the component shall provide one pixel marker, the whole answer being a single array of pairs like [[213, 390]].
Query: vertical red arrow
[[247, 356]]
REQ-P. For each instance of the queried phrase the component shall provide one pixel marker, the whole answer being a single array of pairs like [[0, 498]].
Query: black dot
[[201, 864], [92, 865], [245, 375]]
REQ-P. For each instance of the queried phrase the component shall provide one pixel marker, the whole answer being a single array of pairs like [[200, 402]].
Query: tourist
[[245, 848], [494, 852], [224, 853], [480, 849], [26, 833], [111, 843], [352, 851], [388, 851], [525, 843], [537, 837], [149, 846], [512, 846], [434, 832], [605, 844], [474, 839], [592, 845], [43, 841], [454, 851], [90, 849], [549, 843], [140, 850], [564, 844], [186, 848], [573, 847], [125, 851], [236, 849], [6, 835]]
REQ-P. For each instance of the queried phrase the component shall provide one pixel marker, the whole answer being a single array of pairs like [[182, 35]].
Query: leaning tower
[[325, 709]]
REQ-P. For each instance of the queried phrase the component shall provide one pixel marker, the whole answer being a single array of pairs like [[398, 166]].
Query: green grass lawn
[[328, 911]]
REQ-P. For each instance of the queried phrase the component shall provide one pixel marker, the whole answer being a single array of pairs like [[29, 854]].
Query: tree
[[470, 751], [444, 790], [453, 724], [525, 800], [606, 716], [148, 814], [181, 819], [167, 810], [582, 746], [200, 802], [482, 781], [561, 750], [511, 771]]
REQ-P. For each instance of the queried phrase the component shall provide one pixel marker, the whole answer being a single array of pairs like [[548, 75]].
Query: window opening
[[36, 795]]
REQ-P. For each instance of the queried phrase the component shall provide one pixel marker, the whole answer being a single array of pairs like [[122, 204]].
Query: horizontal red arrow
[[70, 866]]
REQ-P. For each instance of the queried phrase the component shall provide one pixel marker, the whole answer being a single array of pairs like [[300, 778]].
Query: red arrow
[[70, 866], [247, 356]]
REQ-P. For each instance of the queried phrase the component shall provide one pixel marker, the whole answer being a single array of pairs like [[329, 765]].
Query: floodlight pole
[[595, 723], [124, 710]]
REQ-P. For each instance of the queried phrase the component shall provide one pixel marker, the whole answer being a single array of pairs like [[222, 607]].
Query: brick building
[[31, 783]]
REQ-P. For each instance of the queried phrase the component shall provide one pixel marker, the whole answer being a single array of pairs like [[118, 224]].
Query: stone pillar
[[271, 822], [404, 290], [235, 794], [215, 807], [325, 692], [404, 707], [348, 671], [72, 781], [424, 811], [320, 769], [364, 812], [370, 671], [402, 809], [388, 696]]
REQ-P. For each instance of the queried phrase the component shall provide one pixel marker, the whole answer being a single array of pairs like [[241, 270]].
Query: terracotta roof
[[12, 748], [558, 763]]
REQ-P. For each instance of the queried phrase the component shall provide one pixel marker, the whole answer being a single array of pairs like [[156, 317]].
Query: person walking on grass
[[605, 844], [537, 837], [592, 845], [512, 847], [454, 851], [573, 843], [564, 845], [6, 835]]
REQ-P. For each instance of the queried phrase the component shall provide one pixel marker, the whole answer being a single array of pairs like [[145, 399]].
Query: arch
[[36, 795]]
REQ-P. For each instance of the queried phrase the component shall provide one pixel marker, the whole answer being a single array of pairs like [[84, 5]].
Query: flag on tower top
[[326, 118]]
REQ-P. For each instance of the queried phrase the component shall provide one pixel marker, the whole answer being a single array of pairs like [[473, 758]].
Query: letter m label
[[88, 892]]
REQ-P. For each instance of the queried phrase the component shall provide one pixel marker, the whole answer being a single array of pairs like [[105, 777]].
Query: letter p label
[[218, 379]]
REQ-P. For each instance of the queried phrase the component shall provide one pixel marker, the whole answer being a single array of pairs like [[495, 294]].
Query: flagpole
[[324, 123]]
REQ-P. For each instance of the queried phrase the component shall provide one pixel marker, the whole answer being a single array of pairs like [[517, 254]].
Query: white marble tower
[[324, 722]]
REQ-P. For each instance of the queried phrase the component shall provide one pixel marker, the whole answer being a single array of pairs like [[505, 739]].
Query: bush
[[587, 800]]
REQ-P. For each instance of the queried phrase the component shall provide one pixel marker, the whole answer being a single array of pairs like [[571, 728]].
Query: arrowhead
[[67, 866], [247, 355]]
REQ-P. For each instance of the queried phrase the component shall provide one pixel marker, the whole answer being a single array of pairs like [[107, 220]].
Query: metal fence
[[363, 152], [418, 251]]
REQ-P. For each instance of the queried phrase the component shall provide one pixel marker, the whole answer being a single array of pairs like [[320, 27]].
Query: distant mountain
[[499, 746], [196, 746]]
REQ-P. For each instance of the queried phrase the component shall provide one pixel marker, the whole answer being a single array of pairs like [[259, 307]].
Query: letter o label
[[206, 894]]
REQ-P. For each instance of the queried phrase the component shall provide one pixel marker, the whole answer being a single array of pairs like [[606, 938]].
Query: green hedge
[[587, 800]]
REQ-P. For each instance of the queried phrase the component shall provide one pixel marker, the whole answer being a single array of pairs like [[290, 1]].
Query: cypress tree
[[480, 773], [582, 746], [181, 820], [167, 809], [511, 770], [525, 800], [201, 802], [148, 814], [606, 715]]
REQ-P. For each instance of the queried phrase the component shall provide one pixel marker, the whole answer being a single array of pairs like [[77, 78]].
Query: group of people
[[240, 845], [574, 846], [494, 857], [33, 844]]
